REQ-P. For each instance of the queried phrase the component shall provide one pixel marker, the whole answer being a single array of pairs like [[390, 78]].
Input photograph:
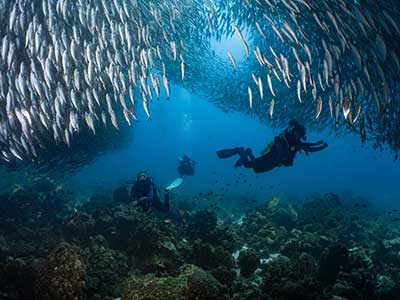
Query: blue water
[[192, 125]]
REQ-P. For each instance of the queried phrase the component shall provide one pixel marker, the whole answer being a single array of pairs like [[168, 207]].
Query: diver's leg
[[166, 200], [262, 164], [246, 156], [158, 205], [164, 207], [264, 167], [250, 154], [226, 153]]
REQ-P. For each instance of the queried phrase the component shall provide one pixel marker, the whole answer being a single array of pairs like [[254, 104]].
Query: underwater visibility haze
[[199, 149]]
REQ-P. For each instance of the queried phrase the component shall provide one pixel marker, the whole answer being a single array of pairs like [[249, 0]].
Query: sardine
[[260, 30], [250, 92], [260, 88], [246, 47], [271, 109], [232, 59], [270, 85], [318, 108], [299, 90]]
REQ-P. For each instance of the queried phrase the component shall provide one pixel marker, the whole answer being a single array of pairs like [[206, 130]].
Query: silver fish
[[240, 35], [318, 108], [271, 88], [232, 59], [271, 108], [250, 93]]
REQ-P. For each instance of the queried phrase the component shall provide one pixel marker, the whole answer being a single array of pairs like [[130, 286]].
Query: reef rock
[[248, 262], [80, 225], [62, 276], [192, 284], [334, 297], [203, 226], [281, 214], [387, 288], [393, 244], [105, 270], [332, 261], [208, 257]]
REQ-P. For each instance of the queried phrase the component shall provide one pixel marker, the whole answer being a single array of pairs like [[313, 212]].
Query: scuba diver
[[281, 152], [186, 166], [145, 193]]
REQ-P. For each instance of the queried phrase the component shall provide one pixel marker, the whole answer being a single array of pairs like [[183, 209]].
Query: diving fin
[[240, 162], [177, 182], [226, 153]]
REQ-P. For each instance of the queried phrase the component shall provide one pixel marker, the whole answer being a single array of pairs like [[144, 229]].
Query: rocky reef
[[192, 283], [54, 247]]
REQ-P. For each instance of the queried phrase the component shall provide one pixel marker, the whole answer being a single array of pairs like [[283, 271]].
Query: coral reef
[[105, 269], [191, 283], [62, 275], [52, 247], [248, 262]]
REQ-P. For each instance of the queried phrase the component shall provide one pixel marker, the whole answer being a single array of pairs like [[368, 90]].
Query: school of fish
[[67, 65], [327, 63]]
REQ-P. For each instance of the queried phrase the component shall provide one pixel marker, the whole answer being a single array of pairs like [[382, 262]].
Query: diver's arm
[[133, 191], [308, 148], [135, 200], [312, 144], [149, 196], [152, 192]]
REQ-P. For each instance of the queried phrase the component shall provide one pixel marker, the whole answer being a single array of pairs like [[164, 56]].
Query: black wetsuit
[[281, 153], [146, 194], [186, 166]]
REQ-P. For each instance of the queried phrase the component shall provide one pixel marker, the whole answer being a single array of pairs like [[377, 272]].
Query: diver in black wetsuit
[[281, 152], [145, 194], [186, 166]]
